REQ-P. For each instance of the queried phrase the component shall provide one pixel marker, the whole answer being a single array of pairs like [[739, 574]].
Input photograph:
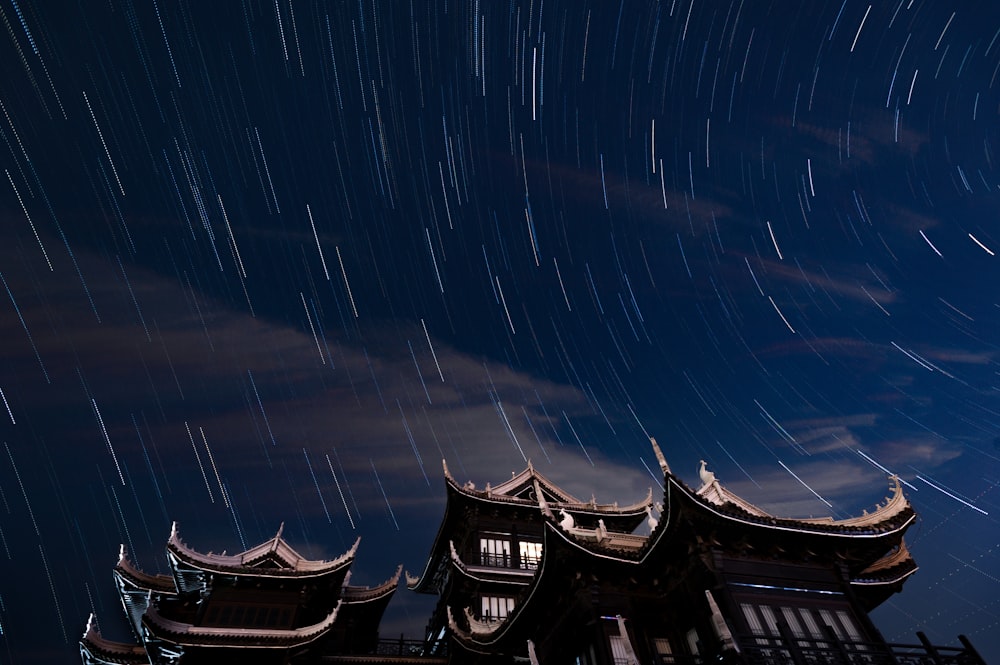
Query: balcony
[[397, 650], [764, 650]]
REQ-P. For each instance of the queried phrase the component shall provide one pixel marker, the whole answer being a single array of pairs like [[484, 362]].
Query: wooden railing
[[411, 648], [789, 650], [388, 650]]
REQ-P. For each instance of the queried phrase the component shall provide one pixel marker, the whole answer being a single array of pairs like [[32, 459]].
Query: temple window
[[694, 643], [662, 650], [531, 554], [496, 608], [619, 652], [588, 657], [494, 550], [803, 623]]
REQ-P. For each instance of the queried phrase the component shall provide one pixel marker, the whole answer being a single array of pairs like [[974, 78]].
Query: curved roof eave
[[237, 564], [422, 583], [371, 594], [186, 634], [551, 532], [462, 569], [887, 581], [127, 570], [106, 649], [833, 528]]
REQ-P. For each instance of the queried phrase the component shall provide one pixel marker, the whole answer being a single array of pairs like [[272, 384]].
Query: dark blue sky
[[273, 261]]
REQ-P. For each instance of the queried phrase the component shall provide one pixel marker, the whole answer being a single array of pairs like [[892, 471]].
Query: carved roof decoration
[[96, 649], [272, 558], [528, 489], [895, 514], [186, 634], [131, 574], [893, 567], [522, 487], [714, 492], [364, 594]]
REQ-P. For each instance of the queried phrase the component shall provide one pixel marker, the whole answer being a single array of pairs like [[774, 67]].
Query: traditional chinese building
[[266, 605], [526, 572]]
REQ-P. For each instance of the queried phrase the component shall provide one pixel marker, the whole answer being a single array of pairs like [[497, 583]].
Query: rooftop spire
[[659, 456]]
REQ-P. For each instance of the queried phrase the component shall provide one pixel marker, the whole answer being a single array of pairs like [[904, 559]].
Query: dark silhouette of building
[[526, 572], [265, 605]]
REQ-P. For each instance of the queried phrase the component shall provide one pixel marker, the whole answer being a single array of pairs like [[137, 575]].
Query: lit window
[[496, 608], [494, 552], [788, 614], [814, 629], [661, 647], [849, 626], [531, 554], [619, 652]]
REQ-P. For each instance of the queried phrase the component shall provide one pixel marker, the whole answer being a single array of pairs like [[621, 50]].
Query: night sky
[[270, 262]]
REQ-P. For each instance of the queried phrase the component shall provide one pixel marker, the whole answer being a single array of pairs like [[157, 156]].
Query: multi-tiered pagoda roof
[[710, 521], [268, 599]]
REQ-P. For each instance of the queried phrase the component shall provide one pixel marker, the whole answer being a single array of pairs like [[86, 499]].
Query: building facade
[[267, 605], [524, 572]]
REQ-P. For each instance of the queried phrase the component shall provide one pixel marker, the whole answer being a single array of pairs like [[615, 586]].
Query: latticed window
[[531, 554], [619, 652], [494, 551], [496, 608], [808, 627], [662, 650]]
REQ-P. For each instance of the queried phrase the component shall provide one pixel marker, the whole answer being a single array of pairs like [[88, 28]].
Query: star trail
[[270, 261]]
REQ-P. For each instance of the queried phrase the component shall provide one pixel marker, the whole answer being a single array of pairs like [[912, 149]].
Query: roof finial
[[444, 465], [707, 477], [90, 625], [659, 456], [281, 529]]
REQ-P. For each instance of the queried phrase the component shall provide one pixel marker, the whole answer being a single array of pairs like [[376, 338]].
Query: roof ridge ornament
[[90, 626], [411, 580], [651, 521], [659, 456], [542, 503], [707, 477]]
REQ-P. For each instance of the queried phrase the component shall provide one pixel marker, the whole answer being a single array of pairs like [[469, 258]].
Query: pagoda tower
[[266, 605], [527, 573]]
